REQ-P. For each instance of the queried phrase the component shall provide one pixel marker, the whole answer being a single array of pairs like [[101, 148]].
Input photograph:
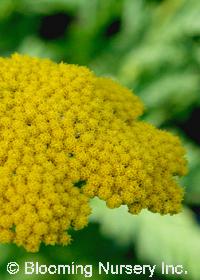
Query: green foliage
[[170, 239], [193, 178]]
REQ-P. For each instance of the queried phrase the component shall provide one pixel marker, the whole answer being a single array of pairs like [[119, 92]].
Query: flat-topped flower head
[[67, 136]]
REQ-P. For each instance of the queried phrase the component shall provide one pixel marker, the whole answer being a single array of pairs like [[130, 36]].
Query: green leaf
[[113, 221], [172, 239]]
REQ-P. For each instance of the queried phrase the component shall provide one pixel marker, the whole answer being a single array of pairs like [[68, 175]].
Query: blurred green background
[[153, 47]]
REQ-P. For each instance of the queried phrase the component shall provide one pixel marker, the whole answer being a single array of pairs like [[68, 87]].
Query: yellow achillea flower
[[67, 136]]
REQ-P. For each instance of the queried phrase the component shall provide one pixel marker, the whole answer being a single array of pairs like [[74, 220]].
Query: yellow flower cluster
[[67, 136]]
